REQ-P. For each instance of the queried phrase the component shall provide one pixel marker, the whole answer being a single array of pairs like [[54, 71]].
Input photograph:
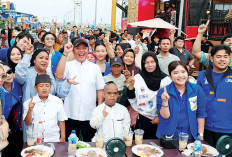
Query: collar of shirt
[[159, 56], [36, 99]]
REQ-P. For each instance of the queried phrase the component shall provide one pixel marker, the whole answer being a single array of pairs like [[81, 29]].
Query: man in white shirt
[[130, 39], [110, 118], [80, 100], [46, 108]]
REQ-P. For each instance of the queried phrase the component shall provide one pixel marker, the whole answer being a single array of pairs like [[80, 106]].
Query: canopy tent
[[154, 23]]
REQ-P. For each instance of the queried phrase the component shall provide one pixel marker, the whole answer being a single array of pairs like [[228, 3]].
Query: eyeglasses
[[50, 38], [9, 72]]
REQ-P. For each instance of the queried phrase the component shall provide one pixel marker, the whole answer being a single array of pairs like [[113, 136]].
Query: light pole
[[74, 9], [95, 21]]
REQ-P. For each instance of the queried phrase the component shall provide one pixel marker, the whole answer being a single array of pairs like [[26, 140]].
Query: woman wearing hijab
[[128, 59], [119, 48], [142, 92], [14, 56]]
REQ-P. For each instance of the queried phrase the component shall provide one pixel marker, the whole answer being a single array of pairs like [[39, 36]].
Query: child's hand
[[31, 104]]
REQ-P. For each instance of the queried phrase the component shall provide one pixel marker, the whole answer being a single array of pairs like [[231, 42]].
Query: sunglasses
[[9, 72], [4, 77], [50, 38]]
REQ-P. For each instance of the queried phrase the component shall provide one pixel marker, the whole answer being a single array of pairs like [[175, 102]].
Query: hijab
[[132, 66], [11, 64], [154, 78]]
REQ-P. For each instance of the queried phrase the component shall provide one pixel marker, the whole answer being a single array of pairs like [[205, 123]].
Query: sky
[[62, 10]]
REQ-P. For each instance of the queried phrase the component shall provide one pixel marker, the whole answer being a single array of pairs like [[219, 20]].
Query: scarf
[[154, 78]]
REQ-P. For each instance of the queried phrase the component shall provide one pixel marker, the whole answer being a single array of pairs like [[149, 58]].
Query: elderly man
[[80, 98], [110, 118]]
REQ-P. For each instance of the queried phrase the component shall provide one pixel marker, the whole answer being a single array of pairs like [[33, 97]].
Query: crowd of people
[[98, 82]]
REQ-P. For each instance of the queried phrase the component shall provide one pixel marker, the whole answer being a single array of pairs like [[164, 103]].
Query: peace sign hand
[[131, 81], [165, 97], [29, 49], [104, 112], [126, 73], [72, 81]]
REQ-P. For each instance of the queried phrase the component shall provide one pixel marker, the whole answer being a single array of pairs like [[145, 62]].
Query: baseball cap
[[80, 41], [116, 61]]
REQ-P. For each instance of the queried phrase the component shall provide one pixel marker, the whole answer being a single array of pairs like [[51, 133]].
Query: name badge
[[211, 92], [193, 103], [221, 100]]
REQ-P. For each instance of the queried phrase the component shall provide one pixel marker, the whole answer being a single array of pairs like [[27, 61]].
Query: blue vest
[[168, 126]]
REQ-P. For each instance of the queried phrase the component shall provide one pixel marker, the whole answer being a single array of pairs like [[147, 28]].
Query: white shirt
[[145, 99], [50, 113], [114, 124], [131, 42], [81, 99]]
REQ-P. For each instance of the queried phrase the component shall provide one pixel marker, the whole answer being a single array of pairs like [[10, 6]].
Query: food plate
[[209, 151], [85, 152], [81, 144], [144, 150], [37, 151]]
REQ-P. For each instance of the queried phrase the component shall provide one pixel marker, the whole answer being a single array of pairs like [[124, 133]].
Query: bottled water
[[197, 148]]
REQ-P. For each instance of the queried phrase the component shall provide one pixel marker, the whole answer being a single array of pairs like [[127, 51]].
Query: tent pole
[[180, 17]]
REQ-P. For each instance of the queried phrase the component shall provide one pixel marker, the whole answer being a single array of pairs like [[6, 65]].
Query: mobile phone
[[66, 40]]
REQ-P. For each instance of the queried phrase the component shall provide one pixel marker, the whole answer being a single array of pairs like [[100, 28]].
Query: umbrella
[[154, 23]]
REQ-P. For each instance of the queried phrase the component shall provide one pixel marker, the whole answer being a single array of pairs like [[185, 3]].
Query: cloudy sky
[[48, 10]]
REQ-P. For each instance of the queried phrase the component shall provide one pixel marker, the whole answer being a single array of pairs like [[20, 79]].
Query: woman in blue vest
[[12, 111], [181, 105]]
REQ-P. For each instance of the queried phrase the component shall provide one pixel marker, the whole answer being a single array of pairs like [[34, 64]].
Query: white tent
[[154, 23]]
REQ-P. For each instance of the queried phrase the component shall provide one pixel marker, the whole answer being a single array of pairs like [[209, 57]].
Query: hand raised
[[29, 49], [72, 80], [22, 20], [131, 81], [31, 104], [104, 112], [126, 73], [173, 31], [202, 28], [165, 97], [68, 48]]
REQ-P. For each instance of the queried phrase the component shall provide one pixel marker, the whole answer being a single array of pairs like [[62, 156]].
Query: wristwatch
[[201, 134]]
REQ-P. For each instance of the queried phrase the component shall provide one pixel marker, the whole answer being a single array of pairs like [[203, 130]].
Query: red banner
[[146, 9]]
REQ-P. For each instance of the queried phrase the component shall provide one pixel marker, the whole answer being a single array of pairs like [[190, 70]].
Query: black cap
[[44, 78], [115, 61], [80, 41]]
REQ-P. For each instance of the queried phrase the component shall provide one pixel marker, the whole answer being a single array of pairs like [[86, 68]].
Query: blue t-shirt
[[183, 121], [216, 79]]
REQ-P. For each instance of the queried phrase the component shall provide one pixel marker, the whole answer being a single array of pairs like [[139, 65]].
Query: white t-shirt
[[50, 113], [81, 99], [145, 99]]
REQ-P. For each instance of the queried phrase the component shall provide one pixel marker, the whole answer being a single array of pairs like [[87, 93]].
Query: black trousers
[[15, 146], [84, 127], [212, 137], [145, 124]]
